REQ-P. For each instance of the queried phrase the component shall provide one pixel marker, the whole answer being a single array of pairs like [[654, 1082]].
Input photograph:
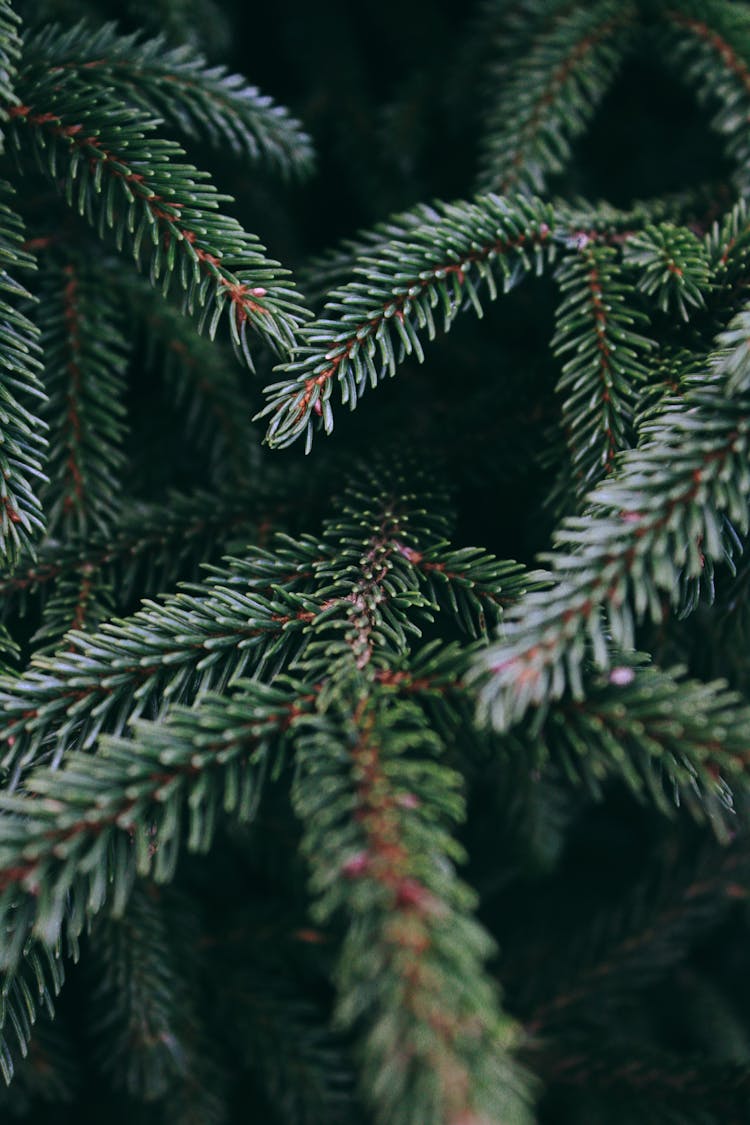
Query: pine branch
[[732, 364], [10, 50], [708, 44], [472, 585], [178, 648], [382, 561], [32, 985], [673, 267], [79, 601], [252, 610], [376, 805], [286, 1045], [149, 1041], [366, 585], [728, 248], [672, 740], [205, 386], [549, 96], [152, 548], [85, 359], [604, 365], [176, 83], [656, 523], [111, 168], [22, 440], [10, 53], [335, 267], [78, 836], [369, 326]]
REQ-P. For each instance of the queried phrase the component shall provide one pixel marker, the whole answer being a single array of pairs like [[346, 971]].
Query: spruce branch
[[333, 268], [368, 326], [376, 805], [708, 44], [728, 248], [152, 547], [28, 988], [313, 600], [672, 266], [77, 837], [285, 1044], [199, 377], [550, 94], [604, 356], [673, 740], [22, 441], [112, 169], [177, 648], [149, 1038], [10, 53], [85, 359], [80, 601], [655, 523], [177, 84]]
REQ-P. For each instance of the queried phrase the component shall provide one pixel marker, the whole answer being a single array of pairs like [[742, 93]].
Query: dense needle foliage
[[375, 749]]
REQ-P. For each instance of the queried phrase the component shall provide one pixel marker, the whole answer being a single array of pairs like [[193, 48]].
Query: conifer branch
[[673, 267], [78, 836], [152, 548], [673, 740], [180, 647], [659, 520], [22, 441], [604, 356], [708, 44], [175, 83], [550, 94], [79, 601], [85, 356], [199, 377], [728, 248], [471, 584], [10, 53], [368, 327], [321, 600], [376, 804], [31, 986], [286, 1044], [149, 1039], [121, 178], [333, 268]]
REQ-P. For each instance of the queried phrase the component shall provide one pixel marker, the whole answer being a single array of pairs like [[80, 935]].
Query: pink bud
[[356, 865], [412, 893], [408, 800]]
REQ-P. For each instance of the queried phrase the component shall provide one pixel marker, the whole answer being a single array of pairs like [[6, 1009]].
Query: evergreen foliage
[[311, 809]]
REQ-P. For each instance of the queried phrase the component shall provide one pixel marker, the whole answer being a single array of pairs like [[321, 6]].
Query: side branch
[[368, 326], [79, 836], [151, 198], [657, 521]]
